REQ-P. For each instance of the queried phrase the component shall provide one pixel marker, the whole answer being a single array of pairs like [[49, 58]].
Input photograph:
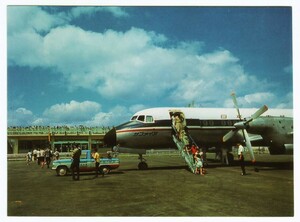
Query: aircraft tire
[[143, 166]]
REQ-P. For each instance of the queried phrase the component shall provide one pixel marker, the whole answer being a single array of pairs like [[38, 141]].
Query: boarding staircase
[[188, 157]]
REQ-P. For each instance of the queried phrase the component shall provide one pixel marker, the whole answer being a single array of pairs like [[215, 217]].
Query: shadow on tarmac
[[264, 166], [159, 168], [261, 165]]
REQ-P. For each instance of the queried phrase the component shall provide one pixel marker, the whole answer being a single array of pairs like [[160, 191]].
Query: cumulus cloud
[[115, 11], [86, 113], [120, 64], [24, 19], [20, 117], [256, 99], [259, 99], [115, 116], [286, 101], [134, 64], [72, 112]]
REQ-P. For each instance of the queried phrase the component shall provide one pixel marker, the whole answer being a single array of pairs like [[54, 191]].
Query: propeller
[[243, 125]]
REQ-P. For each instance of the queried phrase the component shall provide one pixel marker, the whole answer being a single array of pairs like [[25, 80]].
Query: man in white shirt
[[241, 152]]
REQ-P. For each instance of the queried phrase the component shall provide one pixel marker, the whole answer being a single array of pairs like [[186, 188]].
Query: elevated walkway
[[22, 139], [56, 130]]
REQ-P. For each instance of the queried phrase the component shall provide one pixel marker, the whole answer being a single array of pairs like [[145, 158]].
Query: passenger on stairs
[[194, 149], [199, 164], [184, 138], [183, 121], [178, 126], [187, 148]]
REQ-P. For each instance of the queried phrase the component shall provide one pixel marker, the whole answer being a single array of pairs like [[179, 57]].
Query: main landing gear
[[142, 165]]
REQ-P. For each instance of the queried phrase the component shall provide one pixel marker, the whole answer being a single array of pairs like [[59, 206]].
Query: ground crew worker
[[97, 162], [75, 162], [224, 156], [241, 152], [48, 156]]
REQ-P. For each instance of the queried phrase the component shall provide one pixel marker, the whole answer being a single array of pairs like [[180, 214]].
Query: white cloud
[[286, 101], [256, 99], [100, 119], [259, 99], [20, 117], [23, 111], [115, 11], [64, 114], [35, 19], [86, 113], [214, 76], [120, 64], [135, 65], [73, 112], [30, 19]]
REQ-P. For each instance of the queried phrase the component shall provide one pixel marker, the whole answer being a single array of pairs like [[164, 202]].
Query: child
[[199, 163]]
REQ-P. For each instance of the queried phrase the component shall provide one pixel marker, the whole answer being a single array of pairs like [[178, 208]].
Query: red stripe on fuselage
[[143, 129]]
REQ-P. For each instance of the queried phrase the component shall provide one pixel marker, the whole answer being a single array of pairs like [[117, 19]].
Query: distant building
[[22, 139]]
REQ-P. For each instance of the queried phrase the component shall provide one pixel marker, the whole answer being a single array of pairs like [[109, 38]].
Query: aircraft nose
[[110, 138]]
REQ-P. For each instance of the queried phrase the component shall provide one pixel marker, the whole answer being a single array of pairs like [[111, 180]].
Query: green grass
[[166, 189]]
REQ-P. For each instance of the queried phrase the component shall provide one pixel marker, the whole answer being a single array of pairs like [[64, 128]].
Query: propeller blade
[[242, 125], [228, 135], [248, 144], [258, 113], [236, 104]]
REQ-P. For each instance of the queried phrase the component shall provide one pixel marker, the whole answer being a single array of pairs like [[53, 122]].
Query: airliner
[[221, 128]]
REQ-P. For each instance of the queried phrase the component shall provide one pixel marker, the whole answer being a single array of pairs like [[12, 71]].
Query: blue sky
[[98, 65]]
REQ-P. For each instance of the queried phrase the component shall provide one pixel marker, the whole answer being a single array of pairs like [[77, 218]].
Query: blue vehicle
[[87, 164]]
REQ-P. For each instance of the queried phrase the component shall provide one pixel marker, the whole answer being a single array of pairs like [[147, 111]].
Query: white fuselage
[[151, 128]]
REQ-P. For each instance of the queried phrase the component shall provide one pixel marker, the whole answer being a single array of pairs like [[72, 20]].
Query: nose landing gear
[[142, 165]]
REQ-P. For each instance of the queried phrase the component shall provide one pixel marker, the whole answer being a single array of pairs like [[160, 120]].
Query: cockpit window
[[133, 118], [149, 119], [141, 118]]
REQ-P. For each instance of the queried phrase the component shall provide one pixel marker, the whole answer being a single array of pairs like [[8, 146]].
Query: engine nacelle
[[283, 149]]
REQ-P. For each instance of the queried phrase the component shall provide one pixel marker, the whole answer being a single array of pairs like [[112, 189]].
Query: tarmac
[[166, 189]]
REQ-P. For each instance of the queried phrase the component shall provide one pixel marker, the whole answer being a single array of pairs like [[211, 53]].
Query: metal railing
[[58, 130]]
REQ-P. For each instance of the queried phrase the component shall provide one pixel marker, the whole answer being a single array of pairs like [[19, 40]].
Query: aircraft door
[[178, 121]]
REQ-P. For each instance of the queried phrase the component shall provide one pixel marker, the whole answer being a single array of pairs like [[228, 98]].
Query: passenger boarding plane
[[221, 128]]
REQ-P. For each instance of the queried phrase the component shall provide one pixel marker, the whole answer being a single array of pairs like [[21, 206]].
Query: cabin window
[[205, 123], [133, 118], [141, 118]]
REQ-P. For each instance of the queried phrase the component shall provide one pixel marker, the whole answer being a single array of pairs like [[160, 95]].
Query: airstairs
[[188, 157]]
